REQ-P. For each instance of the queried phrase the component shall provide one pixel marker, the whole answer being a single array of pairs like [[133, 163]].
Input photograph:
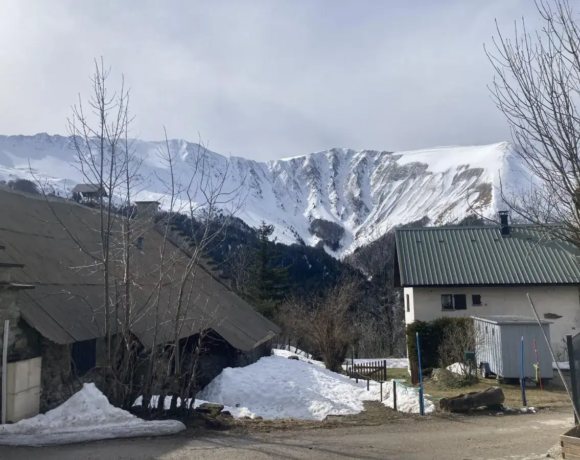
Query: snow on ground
[[392, 363], [564, 365], [86, 416], [237, 412], [277, 387]]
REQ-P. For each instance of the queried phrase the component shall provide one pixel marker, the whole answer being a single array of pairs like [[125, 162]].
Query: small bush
[[431, 335]]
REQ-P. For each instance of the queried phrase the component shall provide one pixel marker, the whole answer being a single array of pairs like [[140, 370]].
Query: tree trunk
[[491, 397]]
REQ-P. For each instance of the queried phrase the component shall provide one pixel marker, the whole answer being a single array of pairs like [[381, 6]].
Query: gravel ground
[[522, 437]]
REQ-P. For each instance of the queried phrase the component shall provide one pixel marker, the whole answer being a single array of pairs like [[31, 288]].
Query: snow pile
[[563, 365], [276, 387], [237, 412], [86, 416], [460, 369], [302, 356], [407, 399]]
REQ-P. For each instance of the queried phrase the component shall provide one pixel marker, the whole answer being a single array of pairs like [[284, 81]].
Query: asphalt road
[[521, 437]]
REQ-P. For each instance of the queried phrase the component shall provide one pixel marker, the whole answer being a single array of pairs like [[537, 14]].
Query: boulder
[[293, 357], [492, 397]]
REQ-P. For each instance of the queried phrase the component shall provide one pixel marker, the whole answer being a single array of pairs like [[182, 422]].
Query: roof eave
[[577, 283]]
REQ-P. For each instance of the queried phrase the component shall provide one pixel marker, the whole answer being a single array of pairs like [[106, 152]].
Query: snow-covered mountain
[[342, 197]]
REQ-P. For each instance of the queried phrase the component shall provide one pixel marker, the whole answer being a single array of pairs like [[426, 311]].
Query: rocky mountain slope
[[340, 198]]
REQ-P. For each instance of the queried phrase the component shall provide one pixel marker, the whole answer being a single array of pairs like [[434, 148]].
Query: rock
[[227, 414], [258, 417], [245, 417], [330, 233], [491, 397], [210, 408], [293, 357]]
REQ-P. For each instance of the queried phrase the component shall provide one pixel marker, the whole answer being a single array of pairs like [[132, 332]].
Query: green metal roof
[[460, 256]]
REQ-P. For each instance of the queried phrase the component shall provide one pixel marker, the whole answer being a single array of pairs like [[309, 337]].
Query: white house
[[488, 270]]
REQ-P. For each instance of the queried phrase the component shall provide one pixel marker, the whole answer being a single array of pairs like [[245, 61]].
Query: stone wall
[[58, 382]]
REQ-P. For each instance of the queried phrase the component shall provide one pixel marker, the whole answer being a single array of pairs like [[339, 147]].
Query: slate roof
[[66, 304], [475, 256]]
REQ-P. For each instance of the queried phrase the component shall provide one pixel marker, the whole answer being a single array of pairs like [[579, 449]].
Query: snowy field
[[86, 416], [277, 387]]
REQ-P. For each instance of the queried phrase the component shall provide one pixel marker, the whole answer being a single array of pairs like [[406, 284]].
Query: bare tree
[[328, 322], [459, 338], [381, 317], [167, 299], [240, 269], [537, 87], [289, 318]]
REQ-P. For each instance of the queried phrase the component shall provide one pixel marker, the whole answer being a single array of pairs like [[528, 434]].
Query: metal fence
[[375, 370]]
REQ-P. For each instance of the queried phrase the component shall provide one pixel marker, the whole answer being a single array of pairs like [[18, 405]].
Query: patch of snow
[[460, 369], [564, 365], [85, 416], [407, 399], [237, 412]]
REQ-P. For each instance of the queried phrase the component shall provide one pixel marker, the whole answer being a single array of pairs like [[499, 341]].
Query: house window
[[476, 300], [454, 302], [460, 302], [408, 304], [447, 302], [83, 356]]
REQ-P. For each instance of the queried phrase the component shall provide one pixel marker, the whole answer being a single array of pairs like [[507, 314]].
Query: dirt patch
[[374, 414]]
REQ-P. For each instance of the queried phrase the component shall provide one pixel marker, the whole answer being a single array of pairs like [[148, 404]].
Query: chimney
[[504, 223], [147, 209]]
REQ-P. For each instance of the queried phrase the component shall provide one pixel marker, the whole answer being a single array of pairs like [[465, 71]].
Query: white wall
[[425, 305]]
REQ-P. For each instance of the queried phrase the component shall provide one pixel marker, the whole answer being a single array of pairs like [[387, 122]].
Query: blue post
[[523, 375], [421, 401]]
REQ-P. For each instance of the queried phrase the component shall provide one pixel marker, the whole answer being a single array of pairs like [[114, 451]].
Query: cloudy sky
[[263, 79]]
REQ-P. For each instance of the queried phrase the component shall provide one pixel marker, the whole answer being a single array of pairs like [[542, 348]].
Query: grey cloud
[[263, 79]]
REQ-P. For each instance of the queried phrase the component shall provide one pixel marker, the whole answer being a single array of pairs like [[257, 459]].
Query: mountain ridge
[[339, 198]]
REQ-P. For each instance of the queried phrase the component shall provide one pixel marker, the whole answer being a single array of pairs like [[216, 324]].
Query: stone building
[[51, 245]]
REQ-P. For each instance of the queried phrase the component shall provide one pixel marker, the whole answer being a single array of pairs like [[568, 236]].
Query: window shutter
[[460, 301]]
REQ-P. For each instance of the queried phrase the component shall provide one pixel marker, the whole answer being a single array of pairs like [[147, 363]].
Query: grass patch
[[402, 374], [552, 396]]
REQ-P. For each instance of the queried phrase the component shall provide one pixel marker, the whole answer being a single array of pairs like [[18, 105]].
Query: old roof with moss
[[57, 241], [476, 256]]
